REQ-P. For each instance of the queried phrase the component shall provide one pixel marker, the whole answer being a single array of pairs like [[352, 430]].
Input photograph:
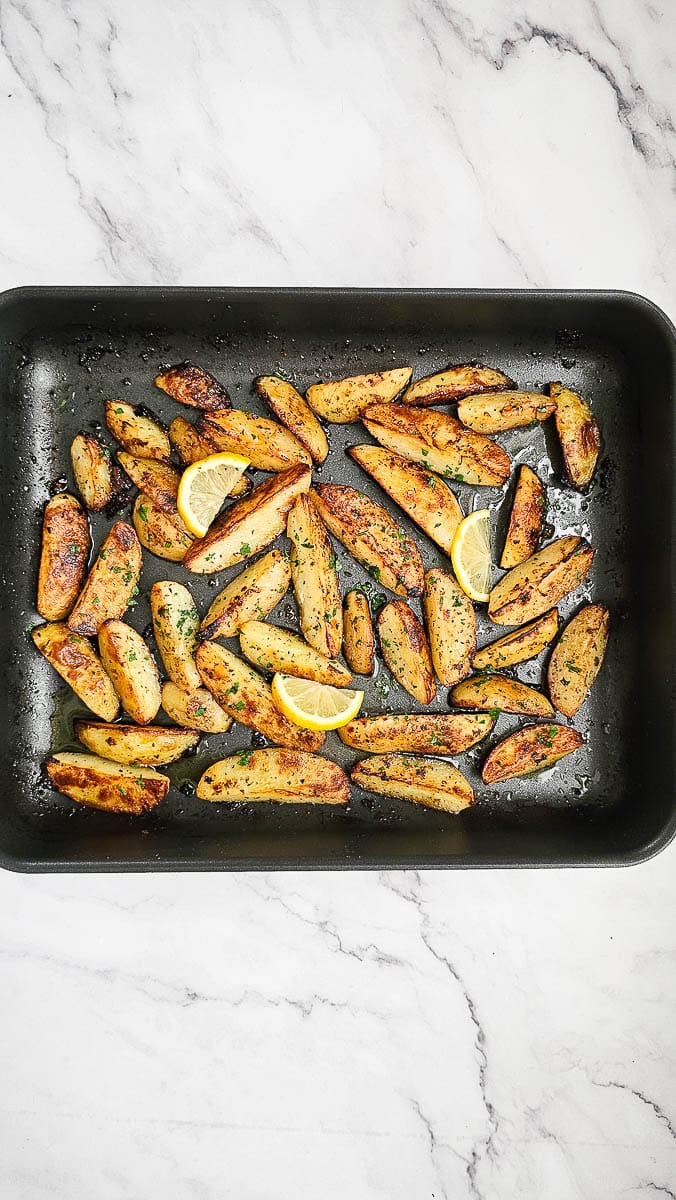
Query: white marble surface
[[398, 1036]]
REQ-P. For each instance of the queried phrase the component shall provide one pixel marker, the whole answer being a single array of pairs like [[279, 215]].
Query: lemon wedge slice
[[204, 486], [315, 705], [471, 555]]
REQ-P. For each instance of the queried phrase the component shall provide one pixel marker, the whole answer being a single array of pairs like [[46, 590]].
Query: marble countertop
[[398, 1035]]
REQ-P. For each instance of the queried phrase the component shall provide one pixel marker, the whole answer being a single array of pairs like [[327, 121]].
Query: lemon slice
[[471, 555], [204, 486], [315, 705]]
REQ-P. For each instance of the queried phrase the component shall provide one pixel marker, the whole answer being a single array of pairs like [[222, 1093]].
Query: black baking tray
[[64, 350]]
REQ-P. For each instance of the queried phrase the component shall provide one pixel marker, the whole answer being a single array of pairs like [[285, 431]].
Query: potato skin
[[267, 444], [281, 775], [528, 750], [175, 623], [359, 641], [344, 400], [578, 658], [439, 442], [162, 533], [149, 746], [314, 578], [251, 595], [192, 385], [541, 581], [192, 446], [419, 492], [95, 474], [159, 480], [195, 709], [99, 783], [526, 520], [451, 626], [132, 669], [504, 410], [490, 692], [273, 649], [422, 733], [519, 646], [75, 660], [579, 435], [405, 650], [292, 410], [63, 559], [367, 530], [455, 382], [111, 582], [431, 783], [137, 430]]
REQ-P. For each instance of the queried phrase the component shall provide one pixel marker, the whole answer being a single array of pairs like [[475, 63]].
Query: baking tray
[[64, 350]]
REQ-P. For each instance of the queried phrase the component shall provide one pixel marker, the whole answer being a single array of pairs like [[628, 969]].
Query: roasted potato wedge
[[519, 646], [367, 530], [344, 400], [291, 409], [529, 749], [359, 641], [96, 477], [455, 382], [284, 776], [422, 733], [163, 533], [499, 693], [131, 667], [250, 596], [73, 657], [314, 577], [248, 525], [63, 558], [541, 581], [159, 480], [579, 435], [267, 444], [247, 698], [192, 446], [451, 626], [578, 658], [421, 494], [111, 582], [193, 386], [526, 520], [175, 624], [440, 443], [434, 784], [273, 649], [150, 746], [504, 410], [195, 709], [137, 430], [405, 650], [99, 783]]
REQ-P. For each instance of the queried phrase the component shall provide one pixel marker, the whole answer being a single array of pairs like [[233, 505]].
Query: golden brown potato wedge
[[455, 382], [451, 626], [541, 581], [421, 494], [519, 646], [248, 525], [137, 430], [344, 400], [195, 709], [159, 480], [499, 693], [422, 733], [192, 446], [131, 667], [250, 596], [440, 443], [529, 749], [367, 530], [526, 520], [291, 409], [111, 583], [73, 657], [359, 643], [267, 444], [247, 698], [175, 624], [405, 650], [578, 658], [149, 746], [273, 649], [163, 533], [504, 410], [579, 435], [95, 474], [193, 386], [99, 783], [63, 558], [314, 577], [284, 776], [425, 781]]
